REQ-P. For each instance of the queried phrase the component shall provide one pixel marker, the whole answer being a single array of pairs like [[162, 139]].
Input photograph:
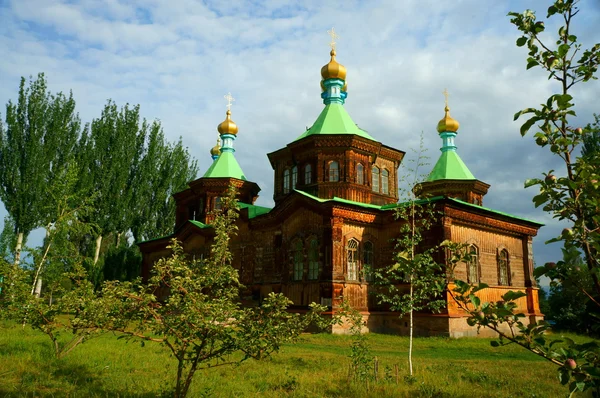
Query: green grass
[[317, 366]]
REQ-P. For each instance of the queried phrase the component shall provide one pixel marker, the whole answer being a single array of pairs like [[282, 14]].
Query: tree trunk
[[18, 249], [410, 332], [38, 288], [98, 244]]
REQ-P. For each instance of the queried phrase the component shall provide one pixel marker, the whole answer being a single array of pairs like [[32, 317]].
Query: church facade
[[336, 195]]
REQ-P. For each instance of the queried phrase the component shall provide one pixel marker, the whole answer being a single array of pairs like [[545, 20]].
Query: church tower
[[450, 176], [335, 157], [204, 195]]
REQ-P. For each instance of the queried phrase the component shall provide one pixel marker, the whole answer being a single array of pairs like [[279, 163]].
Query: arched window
[[473, 265], [503, 268], [368, 260], [375, 179], [307, 174], [334, 171], [385, 182], [352, 260], [286, 181], [294, 177], [298, 259], [360, 174], [313, 259]]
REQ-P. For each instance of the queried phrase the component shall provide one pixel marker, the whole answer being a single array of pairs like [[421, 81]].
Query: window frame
[[375, 178], [286, 181], [294, 177], [308, 174], [360, 174], [313, 259], [503, 279], [385, 182], [331, 175], [368, 259], [473, 265], [352, 259], [297, 260]]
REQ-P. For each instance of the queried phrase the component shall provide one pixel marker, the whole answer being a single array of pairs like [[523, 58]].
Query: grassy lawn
[[317, 366]]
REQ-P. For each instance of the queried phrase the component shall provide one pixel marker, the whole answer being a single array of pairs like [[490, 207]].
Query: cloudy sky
[[177, 58]]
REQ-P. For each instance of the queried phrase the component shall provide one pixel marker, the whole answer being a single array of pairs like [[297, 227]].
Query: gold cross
[[333, 37], [445, 92], [230, 100]]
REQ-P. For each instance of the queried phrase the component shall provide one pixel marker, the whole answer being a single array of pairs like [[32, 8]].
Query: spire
[[333, 85], [449, 166], [227, 128], [216, 150], [225, 164]]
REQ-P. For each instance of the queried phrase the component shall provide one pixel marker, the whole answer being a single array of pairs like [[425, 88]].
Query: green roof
[[253, 210], [225, 166], [495, 211], [334, 120], [199, 224], [450, 167], [393, 206]]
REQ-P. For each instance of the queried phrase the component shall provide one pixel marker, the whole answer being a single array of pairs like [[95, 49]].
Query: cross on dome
[[445, 92], [334, 36], [230, 100]]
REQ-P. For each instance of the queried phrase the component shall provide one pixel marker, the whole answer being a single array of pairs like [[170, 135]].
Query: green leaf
[[563, 49], [512, 295], [532, 63], [522, 112], [532, 181], [521, 41], [528, 124], [475, 300]]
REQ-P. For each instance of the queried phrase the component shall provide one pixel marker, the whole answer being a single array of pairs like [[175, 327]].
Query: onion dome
[[216, 150], [333, 70], [228, 126], [447, 124]]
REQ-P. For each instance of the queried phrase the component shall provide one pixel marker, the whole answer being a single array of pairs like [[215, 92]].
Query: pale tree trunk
[[18, 249], [410, 332], [98, 244], [38, 288], [118, 239]]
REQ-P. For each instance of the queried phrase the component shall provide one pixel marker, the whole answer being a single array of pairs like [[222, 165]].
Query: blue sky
[[178, 58]]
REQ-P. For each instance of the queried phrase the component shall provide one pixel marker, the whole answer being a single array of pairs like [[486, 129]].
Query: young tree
[[193, 308]]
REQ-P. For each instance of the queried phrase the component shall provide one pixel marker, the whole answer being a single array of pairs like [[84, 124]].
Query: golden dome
[[447, 123], [216, 150], [333, 70], [228, 126]]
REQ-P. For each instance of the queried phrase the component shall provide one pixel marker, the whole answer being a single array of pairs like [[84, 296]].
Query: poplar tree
[[36, 145]]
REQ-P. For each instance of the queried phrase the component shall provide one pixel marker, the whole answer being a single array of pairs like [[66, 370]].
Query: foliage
[[568, 306], [68, 312], [36, 145], [578, 364], [192, 307], [572, 198]]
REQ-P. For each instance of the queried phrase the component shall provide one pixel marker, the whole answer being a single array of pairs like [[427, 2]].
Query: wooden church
[[335, 193]]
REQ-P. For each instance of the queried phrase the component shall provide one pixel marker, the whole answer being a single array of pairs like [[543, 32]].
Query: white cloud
[[178, 58]]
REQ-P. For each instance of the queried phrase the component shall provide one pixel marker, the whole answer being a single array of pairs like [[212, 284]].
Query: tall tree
[[110, 151], [35, 145], [163, 170]]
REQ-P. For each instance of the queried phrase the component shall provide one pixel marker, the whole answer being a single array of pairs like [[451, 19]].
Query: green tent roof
[[450, 167], [253, 210], [225, 166], [334, 120]]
